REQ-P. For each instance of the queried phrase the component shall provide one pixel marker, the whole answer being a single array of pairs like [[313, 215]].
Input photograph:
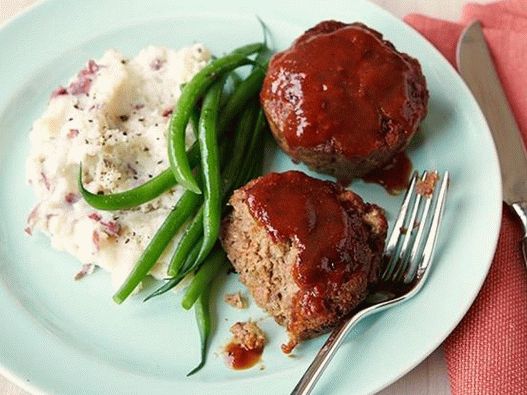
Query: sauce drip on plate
[[237, 357], [394, 176]]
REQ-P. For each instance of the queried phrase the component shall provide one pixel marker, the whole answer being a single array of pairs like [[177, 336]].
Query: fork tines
[[409, 248]]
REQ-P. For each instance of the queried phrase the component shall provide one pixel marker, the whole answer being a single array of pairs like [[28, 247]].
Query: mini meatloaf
[[343, 100], [306, 249]]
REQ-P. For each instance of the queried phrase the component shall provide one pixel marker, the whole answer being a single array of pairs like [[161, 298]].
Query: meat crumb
[[86, 269], [248, 335], [288, 347], [236, 300], [426, 187]]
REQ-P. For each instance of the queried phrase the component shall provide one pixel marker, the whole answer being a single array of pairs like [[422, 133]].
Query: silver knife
[[477, 69]]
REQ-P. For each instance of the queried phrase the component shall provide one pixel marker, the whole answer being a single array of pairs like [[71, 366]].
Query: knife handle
[[520, 208]]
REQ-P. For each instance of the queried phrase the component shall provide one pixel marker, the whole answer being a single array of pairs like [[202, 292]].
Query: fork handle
[[520, 208], [326, 354]]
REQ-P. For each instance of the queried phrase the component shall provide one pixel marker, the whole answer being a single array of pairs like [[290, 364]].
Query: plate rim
[[42, 4]]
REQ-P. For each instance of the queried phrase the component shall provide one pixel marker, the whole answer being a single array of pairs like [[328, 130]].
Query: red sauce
[[238, 357], [394, 176], [307, 211], [342, 89]]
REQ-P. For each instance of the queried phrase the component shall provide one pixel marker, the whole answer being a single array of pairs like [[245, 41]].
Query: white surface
[[429, 377]]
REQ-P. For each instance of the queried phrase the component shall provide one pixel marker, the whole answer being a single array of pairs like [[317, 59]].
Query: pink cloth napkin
[[487, 352]]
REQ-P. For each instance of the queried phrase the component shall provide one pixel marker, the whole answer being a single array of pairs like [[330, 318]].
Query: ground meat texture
[[235, 300], [306, 249], [426, 187], [343, 100], [248, 335]]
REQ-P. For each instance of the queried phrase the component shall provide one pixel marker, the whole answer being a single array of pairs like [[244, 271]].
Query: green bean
[[235, 78], [212, 265], [187, 267], [246, 50], [194, 122], [179, 214], [232, 81], [210, 165], [253, 163], [188, 99], [203, 320], [131, 198], [263, 56], [246, 90], [253, 152], [167, 286], [254, 170], [143, 193], [195, 229], [242, 138], [190, 262], [256, 167], [192, 234], [259, 127], [138, 195], [186, 258], [231, 174], [230, 178]]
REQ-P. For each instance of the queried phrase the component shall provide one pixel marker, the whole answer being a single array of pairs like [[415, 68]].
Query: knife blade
[[477, 69]]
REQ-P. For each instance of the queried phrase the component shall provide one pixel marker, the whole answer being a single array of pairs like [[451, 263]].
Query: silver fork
[[406, 265]]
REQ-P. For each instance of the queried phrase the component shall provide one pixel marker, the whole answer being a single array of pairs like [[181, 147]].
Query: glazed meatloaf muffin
[[343, 100], [306, 249]]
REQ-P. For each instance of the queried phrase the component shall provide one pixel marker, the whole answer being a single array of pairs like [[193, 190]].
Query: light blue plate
[[65, 337]]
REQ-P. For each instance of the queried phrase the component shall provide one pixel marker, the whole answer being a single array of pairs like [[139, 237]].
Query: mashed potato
[[113, 118]]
